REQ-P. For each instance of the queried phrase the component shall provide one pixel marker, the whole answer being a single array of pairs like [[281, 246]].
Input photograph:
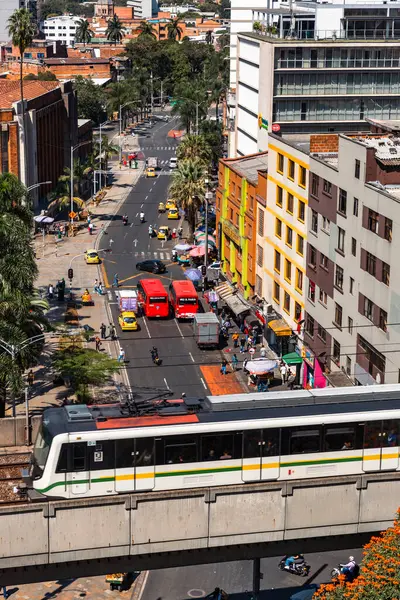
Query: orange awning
[[280, 327]]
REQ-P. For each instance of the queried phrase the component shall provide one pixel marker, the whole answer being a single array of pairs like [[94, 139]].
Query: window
[[350, 325], [323, 261], [336, 352], [351, 286], [314, 221], [327, 187], [373, 221], [279, 196], [311, 291], [385, 273], [323, 297], [286, 302], [338, 315], [388, 229], [374, 357], [313, 257], [339, 278], [340, 437], [314, 184], [300, 244], [79, 462], [102, 455], [368, 308], [355, 207], [277, 261], [221, 446], [382, 319], [370, 264], [310, 324], [288, 270], [302, 176], [260, 222], [291, 169], [340, 244], [178, 449], [297, 312], [260, 256], [256, 443], [278, 228], [304, 440], [289, 236], [354, 246], [357, 169], [299, 280], [277, 292], [302, 211], [321, 333], [342, 204], [326, 224], [259, 290], [289, 203], [280, 163]]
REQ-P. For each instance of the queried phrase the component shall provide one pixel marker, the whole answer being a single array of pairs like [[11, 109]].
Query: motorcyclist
[[350, 569], [142, 217], [294, 559], [150, 230], [154, 354], [125, 219]]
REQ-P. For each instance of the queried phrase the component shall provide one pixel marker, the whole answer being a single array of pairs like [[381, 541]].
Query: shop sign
[[232, 233], [308, 356], [261, 317]]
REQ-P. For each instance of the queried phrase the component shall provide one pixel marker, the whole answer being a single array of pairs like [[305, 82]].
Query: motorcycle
[[155, 358], [336, 571], [125, 220], [299, 567], [142, 218]]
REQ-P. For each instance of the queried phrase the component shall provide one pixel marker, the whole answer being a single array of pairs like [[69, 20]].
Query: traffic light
[[203, 270], [70, 273]]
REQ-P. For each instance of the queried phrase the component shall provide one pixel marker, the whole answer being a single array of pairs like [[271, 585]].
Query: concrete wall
[[12, 430], [145, 524]]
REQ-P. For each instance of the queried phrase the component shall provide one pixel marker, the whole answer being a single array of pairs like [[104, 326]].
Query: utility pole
[[197, 118], [161, 93], [151, 92], [72, 186]]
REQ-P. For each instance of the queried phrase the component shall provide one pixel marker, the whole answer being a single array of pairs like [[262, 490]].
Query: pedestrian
[[89, 220], [242, 344], [50, 291], [235, 339], [98, 343], [252, 351], [263, 352], [103, 330], [223, 367], [283, 371], [101, 289], [115, 282], [174, 234], [227, 324], [235, 362], [96, 286], [180, 232], [90, 228], [121, 356], [5, 593], [31, 378], [223, 315], [113, 332]]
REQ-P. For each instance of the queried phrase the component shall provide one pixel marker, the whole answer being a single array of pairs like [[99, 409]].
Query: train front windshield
[[42, 448]]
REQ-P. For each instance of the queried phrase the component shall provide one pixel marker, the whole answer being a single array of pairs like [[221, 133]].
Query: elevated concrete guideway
[[58, 539]]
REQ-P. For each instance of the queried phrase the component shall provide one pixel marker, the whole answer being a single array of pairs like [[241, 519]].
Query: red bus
[[183, 298], [153, 298]]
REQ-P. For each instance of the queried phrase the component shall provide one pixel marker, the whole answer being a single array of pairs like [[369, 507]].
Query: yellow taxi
[[92, 257], [163, 232], [150, 172], [127, 321], [173, 213], [170, 204]]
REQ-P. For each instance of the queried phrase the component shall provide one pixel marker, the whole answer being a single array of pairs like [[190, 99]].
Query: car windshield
[[42, 447], [129, 320], [92, 254]]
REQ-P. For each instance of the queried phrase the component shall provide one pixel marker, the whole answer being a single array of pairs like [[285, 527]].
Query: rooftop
[[78, 60], [248, 166], [391, 125], [346, 42], [10, 91], [387, 147]]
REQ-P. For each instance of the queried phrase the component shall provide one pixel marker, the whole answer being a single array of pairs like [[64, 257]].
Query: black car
[[152, 266]]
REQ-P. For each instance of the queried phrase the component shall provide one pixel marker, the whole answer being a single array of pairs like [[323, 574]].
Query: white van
[[173, 162]]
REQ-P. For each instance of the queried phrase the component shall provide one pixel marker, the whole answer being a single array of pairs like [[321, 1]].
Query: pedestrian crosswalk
[[167, 148], [147, 255]]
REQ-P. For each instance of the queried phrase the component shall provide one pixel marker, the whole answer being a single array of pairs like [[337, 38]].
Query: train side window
[[79, 462], [180, 449], [340, 438], [252, 443], [102, 455], [144, 452], [304, 440], [218, 447], [390, 433], [125, 454], [62, 464], [270, 445], [373, 434]]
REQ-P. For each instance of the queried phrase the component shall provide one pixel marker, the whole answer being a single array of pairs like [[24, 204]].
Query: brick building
[[39, 151], [69, 68]]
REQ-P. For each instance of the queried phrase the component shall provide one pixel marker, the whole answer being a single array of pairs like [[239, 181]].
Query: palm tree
[[188, 188], [174, 30], [192, 147], [61, 197], [146, 28], [209, 37], [83, 33], [218, 92], [22, 30], [115, 31], [107, 150]]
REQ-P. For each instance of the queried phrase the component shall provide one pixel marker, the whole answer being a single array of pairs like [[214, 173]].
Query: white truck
[[152, 161]]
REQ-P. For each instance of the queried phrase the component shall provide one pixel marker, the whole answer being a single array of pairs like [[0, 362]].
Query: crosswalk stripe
[[162, 255]]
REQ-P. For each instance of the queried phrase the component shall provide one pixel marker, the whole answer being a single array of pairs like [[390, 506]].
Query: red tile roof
[[10, 91]]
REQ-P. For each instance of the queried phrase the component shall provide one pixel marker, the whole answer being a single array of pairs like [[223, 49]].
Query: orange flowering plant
[[379, 577]]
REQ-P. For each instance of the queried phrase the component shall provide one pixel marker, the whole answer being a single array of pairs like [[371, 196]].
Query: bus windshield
[[42, 447]]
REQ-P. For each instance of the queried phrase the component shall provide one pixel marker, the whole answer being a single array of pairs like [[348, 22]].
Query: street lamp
[[121, 106], [36, 185], [73, 148], [100, 172]]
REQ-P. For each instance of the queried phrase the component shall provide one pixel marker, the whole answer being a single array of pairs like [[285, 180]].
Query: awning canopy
[[228, 295], [280, 327], [292, 358], [224, 290]]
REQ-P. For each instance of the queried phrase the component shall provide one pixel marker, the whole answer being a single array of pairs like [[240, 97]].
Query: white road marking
[[141, 206], [179, 329], [113, 303], [109, 294], [162, 255], [166, 384], [147, 328], [145, 199], [202, 381], [137, 214], [131, 225], [191, 356]]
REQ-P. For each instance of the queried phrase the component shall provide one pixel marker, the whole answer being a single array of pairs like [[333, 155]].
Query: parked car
[[152, 266]]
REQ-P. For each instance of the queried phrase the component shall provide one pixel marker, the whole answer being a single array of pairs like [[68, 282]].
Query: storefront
[[294, 361], [313, 375], [280, 337]]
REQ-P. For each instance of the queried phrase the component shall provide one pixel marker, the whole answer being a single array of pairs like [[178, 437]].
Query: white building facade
[[61, 28]]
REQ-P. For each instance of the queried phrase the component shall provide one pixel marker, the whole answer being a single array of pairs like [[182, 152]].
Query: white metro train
[[84, 451]]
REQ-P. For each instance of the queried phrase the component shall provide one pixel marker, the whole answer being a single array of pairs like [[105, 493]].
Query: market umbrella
[[197, 251], [43, 219], [210, 243], [260, 366], [182, 247], [202, 236], [193, 274]]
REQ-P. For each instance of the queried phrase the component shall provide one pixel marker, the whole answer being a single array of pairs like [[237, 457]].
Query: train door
[[134, 465], [381, 446], [270, 454], [78, 476], [144, 464], [251, 456]]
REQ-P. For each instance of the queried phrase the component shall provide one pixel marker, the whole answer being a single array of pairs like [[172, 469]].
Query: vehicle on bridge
[[153, 298], [183, 299], [83, 451]]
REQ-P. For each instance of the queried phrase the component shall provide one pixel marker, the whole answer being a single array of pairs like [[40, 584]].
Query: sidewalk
[[53, 262]]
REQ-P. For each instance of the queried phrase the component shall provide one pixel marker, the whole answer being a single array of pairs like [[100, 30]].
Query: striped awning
[[224, 290]]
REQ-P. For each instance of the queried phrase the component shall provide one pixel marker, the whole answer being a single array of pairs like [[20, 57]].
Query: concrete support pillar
[[257, 576]]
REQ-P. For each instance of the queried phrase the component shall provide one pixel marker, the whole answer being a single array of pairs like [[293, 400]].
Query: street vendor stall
[[260, 372]]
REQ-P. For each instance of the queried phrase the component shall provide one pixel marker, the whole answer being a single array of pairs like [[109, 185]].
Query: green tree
[[192, 147], [209, 36], [91, 99], [84, 367], [115, 30], [83, 33], [107, 150], [174, 29], [257, 26], [188, 188], [191, 104], [146, 28], [61, 197], [212, 134]]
